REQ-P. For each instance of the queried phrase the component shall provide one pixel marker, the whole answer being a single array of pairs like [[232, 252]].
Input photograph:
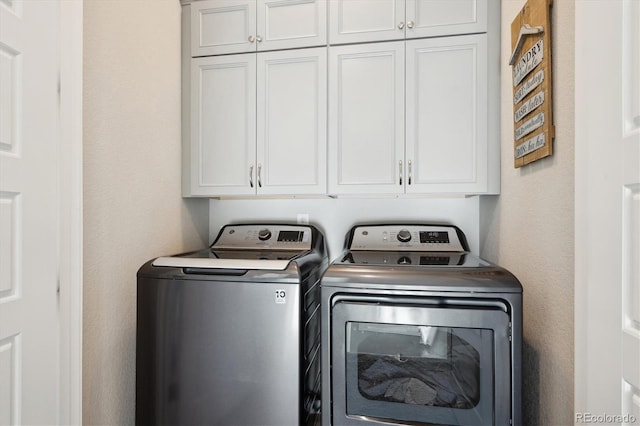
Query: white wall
[[529, 230], [335, 217], [132, 205]]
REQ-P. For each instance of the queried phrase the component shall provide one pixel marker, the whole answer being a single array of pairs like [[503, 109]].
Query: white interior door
[[607, 213], [29, 202]]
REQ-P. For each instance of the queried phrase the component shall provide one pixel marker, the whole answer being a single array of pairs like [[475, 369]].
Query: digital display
[[435, 260], [290, 236], [441, 237]]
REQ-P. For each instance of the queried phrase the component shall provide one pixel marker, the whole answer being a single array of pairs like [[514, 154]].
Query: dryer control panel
[[261, 237], [406, 238]]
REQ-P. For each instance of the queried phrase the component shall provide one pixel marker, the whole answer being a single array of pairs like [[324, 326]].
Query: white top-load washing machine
[[230, 335], [417, 330]]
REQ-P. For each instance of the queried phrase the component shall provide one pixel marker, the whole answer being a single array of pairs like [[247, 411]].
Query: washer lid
[[248, 247], [276, 260], [206, 263]]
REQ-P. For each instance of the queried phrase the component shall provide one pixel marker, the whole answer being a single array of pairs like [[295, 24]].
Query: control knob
[[404, 260], [264, 234], [404, 236]]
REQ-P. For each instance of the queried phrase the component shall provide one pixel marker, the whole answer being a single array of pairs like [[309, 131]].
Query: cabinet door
[[223, 26], [292, 122], [356, 21], [286, 24], [447, 115], [223, 130], [366, 122], [430, 18]]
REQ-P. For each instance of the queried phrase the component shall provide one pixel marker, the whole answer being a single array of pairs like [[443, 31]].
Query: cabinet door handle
[[401, 25], [259, 175], [251, 175], [410, 24], [251, 39], [259, 39], [400, 171], [409, 180]]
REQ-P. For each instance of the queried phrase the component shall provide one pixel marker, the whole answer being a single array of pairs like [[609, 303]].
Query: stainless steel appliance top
[[405, 245], [249, 247], [415, 257], [406, 258]]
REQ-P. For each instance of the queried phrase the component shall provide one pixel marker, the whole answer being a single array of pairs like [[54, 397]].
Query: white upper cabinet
[[411, 121], [223, 125], [366, 130], [355, 21], [222, 26], [236, 26], [286, 24], [446, 120], [277, 110], [258, 124], [431, 18], [292, 122]]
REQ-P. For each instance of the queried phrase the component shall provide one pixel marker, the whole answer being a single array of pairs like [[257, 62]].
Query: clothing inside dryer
[[418, 365]]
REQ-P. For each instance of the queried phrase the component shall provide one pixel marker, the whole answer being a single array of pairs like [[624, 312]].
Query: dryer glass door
[[420, 364]]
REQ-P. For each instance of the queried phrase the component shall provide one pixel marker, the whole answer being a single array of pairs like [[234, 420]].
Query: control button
[[404, 260], [264, 234], [404, 236]]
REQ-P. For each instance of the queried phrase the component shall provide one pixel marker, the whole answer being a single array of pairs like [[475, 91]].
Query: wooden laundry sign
[[531, 78]]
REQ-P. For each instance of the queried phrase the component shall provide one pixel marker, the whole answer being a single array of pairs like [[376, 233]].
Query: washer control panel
[[272, 237], [406, 238]]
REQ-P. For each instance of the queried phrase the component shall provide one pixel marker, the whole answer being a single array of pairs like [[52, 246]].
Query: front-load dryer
[[416, 330], [230, 335]]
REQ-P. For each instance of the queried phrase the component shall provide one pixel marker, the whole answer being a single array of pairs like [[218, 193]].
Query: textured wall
[[529, 230], [132, 205]]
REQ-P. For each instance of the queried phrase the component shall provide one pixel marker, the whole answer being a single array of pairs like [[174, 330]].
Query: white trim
[[582, 283], [581, 218], [71, 42]]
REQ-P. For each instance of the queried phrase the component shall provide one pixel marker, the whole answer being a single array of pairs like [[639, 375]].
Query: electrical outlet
[[303, 218]]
